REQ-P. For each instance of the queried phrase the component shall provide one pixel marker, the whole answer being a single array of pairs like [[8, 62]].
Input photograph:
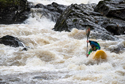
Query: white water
[[52, 51], [64, 2]]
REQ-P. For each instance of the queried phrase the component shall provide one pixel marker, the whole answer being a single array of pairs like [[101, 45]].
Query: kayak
[[99, 54]]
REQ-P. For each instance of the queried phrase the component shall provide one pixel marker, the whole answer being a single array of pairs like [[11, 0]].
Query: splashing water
[[64, 2]]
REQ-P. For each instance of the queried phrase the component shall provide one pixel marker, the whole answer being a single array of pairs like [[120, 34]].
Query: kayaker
[[94, 46]]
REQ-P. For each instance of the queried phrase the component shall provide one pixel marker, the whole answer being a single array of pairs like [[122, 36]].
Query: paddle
[[87, 34]]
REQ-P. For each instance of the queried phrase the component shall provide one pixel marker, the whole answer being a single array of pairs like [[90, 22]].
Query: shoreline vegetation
[[9, 3]]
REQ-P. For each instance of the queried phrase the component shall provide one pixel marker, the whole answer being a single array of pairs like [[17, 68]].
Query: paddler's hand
[[87, 55], [87, 41]]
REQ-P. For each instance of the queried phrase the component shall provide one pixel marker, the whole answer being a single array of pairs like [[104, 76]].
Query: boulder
[[112, 8], [51, 11], [83, 15], [80, 17], [115, 12], [13, 11], [11, 41], [115, 29], [75, 16]]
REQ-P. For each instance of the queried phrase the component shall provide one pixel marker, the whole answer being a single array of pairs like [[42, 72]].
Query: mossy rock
[[13, 11], [9, 3]]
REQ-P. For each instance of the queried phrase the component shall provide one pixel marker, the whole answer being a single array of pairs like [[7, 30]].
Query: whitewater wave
[[64, 2]]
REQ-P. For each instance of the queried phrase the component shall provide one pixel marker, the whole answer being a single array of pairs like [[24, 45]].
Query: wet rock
[[13, 11], [83, 15], [80, 17], [75, 16], [115, 11], [115, 29], [112, 8], [51, 11], [102, 36], [116, 48], [11, 41], [112, 25]]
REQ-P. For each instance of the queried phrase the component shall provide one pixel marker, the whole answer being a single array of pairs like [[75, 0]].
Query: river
[[57, 57]]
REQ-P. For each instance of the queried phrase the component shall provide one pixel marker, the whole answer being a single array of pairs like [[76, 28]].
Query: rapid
[[57, 57]]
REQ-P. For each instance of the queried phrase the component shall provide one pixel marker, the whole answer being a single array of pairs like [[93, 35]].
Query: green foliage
[[75, 20], [8, 3]]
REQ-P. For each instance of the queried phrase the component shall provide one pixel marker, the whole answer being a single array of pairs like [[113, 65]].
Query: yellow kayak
[[100, 54]]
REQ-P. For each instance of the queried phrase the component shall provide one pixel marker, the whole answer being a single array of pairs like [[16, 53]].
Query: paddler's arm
[[89, 52]]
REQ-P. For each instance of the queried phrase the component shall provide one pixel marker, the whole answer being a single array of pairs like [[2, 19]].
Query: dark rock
[[11, 41], [115, 29], [39, 6], [13, 11], [115, 12], [112, 8], [51, 11], [56, 7], [75, 16], [81, 16], [115, 26]]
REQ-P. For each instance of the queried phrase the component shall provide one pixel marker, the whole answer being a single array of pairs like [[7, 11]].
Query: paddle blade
[[87, 34], [87, 31]]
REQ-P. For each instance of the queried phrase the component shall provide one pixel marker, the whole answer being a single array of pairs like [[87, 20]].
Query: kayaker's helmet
[[91, 42]]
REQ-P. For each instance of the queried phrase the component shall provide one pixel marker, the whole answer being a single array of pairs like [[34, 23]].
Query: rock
[[51, 11], [81, 16], [112, 8], [13, 11], [115, 29], [112, 25], [11, 41], [115, 12], [75, 16]]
